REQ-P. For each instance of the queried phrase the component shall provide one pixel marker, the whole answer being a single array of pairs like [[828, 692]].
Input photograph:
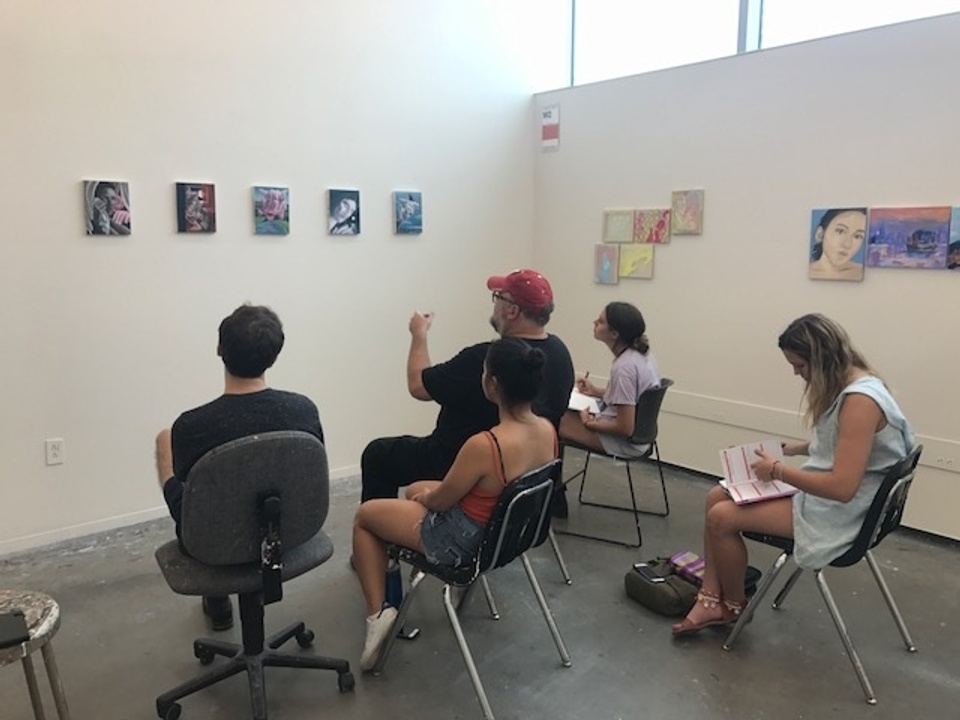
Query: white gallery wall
[[106, 339], [866, 119]]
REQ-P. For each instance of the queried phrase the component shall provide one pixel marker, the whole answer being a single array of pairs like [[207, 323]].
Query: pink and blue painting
[[953, 249], [271, 210], [606, 262], [909, 237]]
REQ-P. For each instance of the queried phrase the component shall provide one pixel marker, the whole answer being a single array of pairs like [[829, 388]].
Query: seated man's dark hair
[[518, 369], [251, 337]]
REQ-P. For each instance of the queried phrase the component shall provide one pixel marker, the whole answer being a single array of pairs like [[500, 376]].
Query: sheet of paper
[[579, 401]]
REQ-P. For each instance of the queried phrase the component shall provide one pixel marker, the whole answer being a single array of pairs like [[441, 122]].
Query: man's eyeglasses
[[498, 295]]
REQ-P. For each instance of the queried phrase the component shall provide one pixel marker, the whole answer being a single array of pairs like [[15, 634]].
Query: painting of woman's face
[[843, 237]]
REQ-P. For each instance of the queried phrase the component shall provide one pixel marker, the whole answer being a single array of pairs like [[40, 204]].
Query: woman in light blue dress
[[859, 432]]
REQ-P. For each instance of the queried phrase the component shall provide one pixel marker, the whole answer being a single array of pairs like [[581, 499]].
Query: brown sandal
[[710, 601]]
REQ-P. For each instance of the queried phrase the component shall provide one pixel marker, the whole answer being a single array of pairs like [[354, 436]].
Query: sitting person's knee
[[721, 518]]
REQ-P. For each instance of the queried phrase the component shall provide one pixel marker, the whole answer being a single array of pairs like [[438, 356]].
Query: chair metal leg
[[467, 656], [560, 561], [755, 601], [545, 609], [888, 596], [258, 690], [32, 687], [494, 612], [56, 686], [845, 637], [402, 611], [787, 587]]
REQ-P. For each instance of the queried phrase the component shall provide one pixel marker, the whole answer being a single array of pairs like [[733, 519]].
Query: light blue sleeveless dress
[[825, 529]]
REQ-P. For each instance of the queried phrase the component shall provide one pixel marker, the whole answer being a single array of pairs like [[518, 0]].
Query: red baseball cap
[[528, 288]]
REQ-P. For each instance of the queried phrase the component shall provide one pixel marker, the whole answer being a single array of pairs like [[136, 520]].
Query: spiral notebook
[[739, 480]]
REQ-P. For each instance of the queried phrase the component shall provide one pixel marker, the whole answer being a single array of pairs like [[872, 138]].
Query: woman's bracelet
[[773, 470]]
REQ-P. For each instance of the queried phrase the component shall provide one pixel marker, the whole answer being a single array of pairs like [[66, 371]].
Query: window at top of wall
[[790, 21], [614, 38]]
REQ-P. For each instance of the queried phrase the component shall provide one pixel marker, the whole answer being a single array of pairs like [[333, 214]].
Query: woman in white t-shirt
[[621, 328]]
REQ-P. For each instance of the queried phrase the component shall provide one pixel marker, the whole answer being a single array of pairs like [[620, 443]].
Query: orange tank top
[[479, 505]]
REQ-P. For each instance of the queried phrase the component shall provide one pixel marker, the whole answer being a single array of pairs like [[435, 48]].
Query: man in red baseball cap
[[522, 305]]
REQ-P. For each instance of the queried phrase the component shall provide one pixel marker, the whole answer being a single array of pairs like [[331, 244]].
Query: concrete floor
[[125, 637]]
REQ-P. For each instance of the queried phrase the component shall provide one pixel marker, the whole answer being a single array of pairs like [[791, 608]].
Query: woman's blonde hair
[[826, 349]]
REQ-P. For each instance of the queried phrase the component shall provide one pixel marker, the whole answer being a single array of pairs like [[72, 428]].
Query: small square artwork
[[606, 260], [651, 226], [912, 237], [686, 212], [107, 207], [636, 261], [617, 226], [953, 249], [271, 210], [196, 208], [408, 212], [344, 212], [837, 244]]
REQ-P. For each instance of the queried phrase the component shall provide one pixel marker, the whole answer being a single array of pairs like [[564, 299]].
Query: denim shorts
[[451, 538]]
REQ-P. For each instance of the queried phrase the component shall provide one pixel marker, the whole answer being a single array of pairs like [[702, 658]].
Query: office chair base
[[253, 663]]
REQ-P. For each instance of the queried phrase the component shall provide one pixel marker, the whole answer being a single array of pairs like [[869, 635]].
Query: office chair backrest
[[222, 497], [518, 518], [648, 410], [886, 510]]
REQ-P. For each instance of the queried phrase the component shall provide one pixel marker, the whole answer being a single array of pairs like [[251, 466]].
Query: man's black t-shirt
[[464, 410], [231, 417]]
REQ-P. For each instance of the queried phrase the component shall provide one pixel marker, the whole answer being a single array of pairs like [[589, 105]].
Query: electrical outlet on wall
[[54, 450]]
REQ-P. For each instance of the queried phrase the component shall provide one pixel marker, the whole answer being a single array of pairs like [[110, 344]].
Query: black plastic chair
[[252, 516], [882, 517], [519, 521], [644, 433]]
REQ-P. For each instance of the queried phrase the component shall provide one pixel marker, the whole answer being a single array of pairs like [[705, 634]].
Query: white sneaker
[[378, 630]]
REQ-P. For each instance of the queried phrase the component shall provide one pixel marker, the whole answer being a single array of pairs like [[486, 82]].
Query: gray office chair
[[644, 433], [882, 517], [252, 516], [519, 521]]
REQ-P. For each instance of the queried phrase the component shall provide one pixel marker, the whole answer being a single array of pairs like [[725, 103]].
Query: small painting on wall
[[837, 243], [344, 208], [953, 249], [606, 259], [618, 226], [107, 207], [686, 212], [408, 212], [636, 261], [910, 237], [651, 226], [196, 208], [271, 210]]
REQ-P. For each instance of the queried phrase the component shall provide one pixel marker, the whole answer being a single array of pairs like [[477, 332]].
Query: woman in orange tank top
[[445, 519]]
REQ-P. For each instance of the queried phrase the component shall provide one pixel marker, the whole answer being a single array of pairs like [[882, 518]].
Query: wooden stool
[[43, 619]]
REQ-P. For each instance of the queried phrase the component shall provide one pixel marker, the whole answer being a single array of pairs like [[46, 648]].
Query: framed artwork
[[618, 226], [686, 212], [606, 261], [953, 249], [636, 261], [408, 212], [196, 208], [911, 237], [837, 244], [344, 212], [271, 210], [106, 205], [651, 226]]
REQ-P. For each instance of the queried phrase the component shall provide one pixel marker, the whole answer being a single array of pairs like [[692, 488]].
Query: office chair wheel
[[170, 712], [345, 682], [305, 638]]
